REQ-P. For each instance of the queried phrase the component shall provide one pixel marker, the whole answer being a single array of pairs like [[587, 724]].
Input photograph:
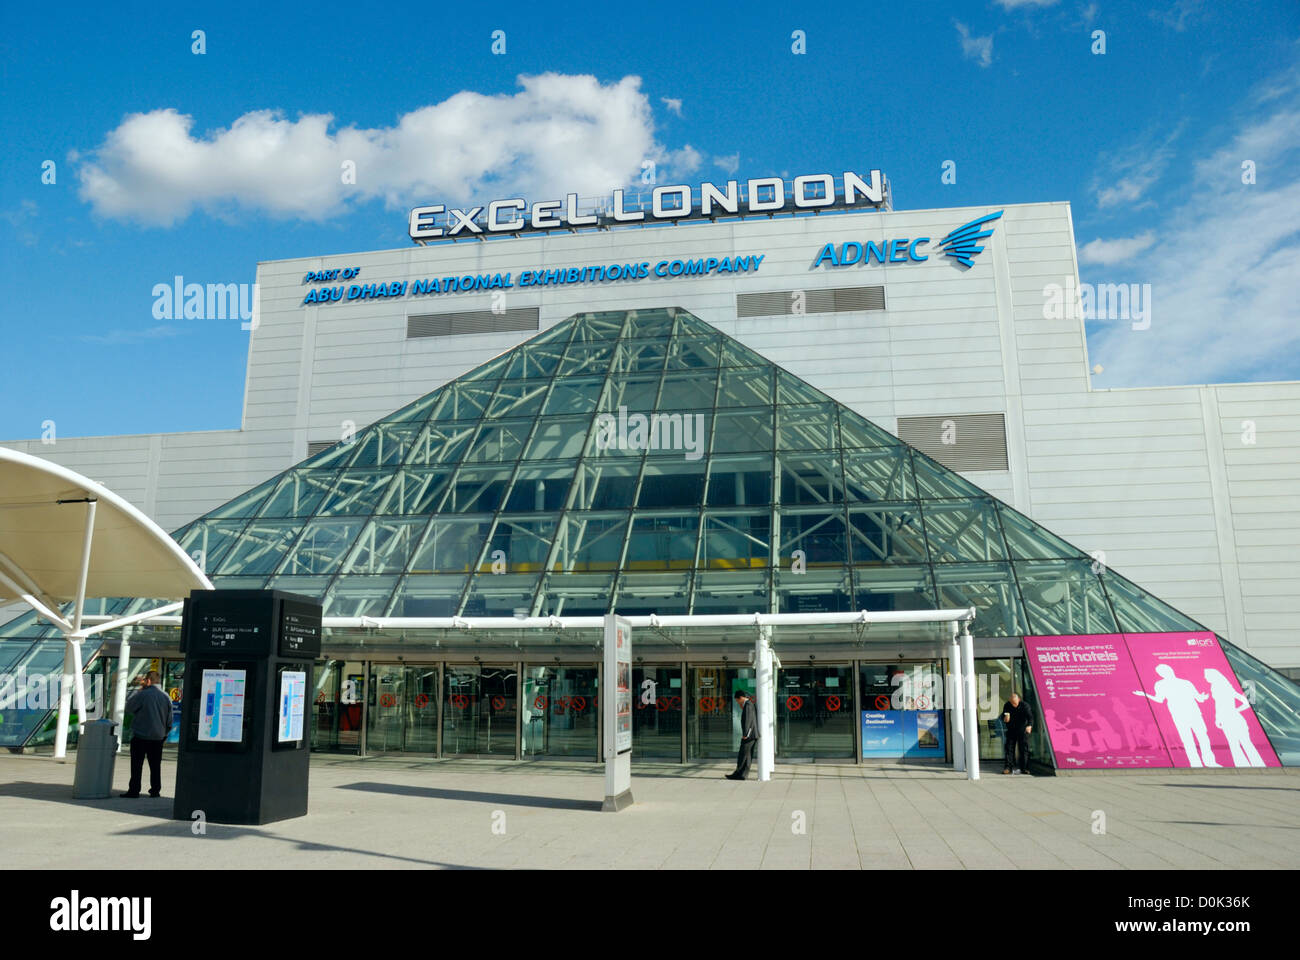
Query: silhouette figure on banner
[[1183, 701], [1104, 736], [1229, 705], [1138, 732], [1069, 739]]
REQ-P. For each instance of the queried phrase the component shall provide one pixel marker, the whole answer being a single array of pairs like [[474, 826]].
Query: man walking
[[151, 712], [1019, 720], [748, 735]]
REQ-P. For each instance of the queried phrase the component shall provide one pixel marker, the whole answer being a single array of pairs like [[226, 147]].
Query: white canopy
[[43, 514]]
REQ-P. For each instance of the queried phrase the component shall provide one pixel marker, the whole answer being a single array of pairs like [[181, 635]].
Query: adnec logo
[[962, 244]]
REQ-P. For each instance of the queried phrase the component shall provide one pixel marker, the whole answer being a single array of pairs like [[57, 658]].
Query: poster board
[[221, 706]]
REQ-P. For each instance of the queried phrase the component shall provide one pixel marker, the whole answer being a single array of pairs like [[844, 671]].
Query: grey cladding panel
[[970, 441], [471, 321], [782, 303]]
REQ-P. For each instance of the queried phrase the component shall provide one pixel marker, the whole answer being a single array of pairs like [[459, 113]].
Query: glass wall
[[713, 720], [658, 706], [479, 715], [560, 711], [815, 712], [995, 681]]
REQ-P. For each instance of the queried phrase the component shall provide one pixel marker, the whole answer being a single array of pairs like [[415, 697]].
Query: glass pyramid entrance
[[644, 462]]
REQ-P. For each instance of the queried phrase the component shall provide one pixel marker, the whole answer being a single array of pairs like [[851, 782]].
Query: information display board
[[300, 628], [616, 710], [1144, 700], [293, 699], [221, 706]]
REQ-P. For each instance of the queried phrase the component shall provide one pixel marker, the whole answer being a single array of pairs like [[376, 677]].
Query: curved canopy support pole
[[956, 701], [765, 696], [119, 684], [968, 683], [72, 654]]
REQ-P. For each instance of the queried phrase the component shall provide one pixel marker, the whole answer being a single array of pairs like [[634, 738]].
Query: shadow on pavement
[[509, 799], [221, 831], [1225, 786], [144, 805]]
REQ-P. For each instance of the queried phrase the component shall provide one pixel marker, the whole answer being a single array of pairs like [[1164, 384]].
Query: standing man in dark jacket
[[151, 712], [1019, 720], [748, 735]]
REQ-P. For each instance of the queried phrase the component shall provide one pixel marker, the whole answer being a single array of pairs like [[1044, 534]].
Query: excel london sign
[[763, 195]]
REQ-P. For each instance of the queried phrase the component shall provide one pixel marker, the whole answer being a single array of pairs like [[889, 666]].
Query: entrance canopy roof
[[44, 540]]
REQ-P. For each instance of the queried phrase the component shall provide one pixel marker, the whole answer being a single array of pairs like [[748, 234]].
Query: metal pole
[[956, 702], [79, 684], [765, 696], [65, 702], [119, 684], [968, 681]]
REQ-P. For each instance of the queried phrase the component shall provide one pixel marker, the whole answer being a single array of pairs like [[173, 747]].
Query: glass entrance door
[[478, 717], [386, 704], [560, 712], [713, 730], [815, 712], [902, 712], [657, 711]]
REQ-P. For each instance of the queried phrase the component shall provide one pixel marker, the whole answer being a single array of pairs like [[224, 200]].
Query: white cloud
[[728, 165], [1222, 272], [1107, 252], [1018, 4], [118, 337], [683, 162], [1133, 173], [559, 133], [673, 104], [976, 48]]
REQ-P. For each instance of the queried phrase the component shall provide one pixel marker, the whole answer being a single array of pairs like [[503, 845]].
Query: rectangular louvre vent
[[316, 446], [783, 303], [471, 321], [969, 441]]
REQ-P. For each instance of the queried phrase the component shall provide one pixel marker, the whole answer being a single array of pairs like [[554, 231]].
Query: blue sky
[[1146, 141]]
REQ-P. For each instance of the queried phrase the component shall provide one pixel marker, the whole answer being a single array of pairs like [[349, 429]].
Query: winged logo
[[961, 245]]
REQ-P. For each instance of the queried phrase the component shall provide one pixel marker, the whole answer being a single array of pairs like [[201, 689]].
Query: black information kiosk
[[245, 737]]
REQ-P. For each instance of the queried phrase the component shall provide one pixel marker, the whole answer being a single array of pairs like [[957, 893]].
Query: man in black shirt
[[1019, 720], [748, 735]]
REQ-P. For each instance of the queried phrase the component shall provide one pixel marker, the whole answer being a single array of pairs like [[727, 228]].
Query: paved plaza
[[383, 812]]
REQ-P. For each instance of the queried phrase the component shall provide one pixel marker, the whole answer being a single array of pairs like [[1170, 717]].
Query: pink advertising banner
[[1086, 685], [1204, 716], [1144, 700]]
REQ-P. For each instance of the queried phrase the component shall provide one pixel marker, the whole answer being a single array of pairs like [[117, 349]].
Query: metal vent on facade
[[471, 321], [784, 303], [316, 446], [968, 441]]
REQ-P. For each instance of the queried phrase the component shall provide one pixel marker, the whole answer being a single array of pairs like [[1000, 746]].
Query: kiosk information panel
[[616, 708], [244, 738]]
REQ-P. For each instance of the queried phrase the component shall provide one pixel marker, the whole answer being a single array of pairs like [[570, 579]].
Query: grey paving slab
[[405, 813]]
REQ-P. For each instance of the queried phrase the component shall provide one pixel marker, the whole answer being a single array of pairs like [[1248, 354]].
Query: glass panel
[[523, 542], [576, 395], [607, 325], [416, 490], [693, 352], [321, 547], [713, 730], [360, 596], [307, 586], [893, 588], [478, 716], [814, 478], [244, 505], [649, 323], [994, 684], [1029, 541], [1274, 698], [534, 359], [500, 441], [790, 389], [672, 482], [357, 492], [657, 713], [731, 592], [902, 710], [576, 594], [688, 390], [208, 540], [386, 545], [641, 594], [882, 473], [742, 432], [590, 541], [807, 427], [819, 534], [662, 542], [1139, 612], [736, 354], [745, 387], [479, 489], [420, 721], [815, 712], [857, 431], [260, 547], [1063, 597], [559, 438], [560, 712], [518, 398], [451, 545], [489, 370], [740, 480], [538, 488], [299, 493], [963, 531], [637, 356], [387, 702], [887, 533], [606, 484], [500, 595], [817, 591], [442, 443], [736, 541], [990, 589], [386, 444], [586, 358], [637, 393], [427, 595], [465, 399], [417, 411]]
